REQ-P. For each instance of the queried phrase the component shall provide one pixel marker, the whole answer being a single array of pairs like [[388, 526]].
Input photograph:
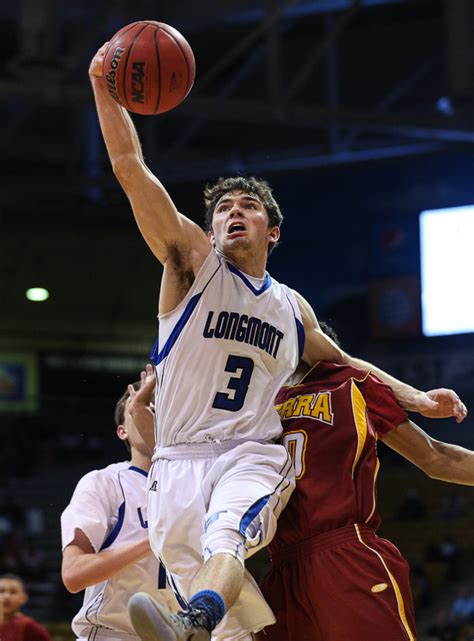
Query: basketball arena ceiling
[[281, 85]]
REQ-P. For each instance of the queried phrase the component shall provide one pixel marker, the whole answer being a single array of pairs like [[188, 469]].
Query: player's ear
[[274, 234], [121, 432], [210, 235]]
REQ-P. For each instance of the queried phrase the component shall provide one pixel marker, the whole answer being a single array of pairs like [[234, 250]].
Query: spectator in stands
[[15, 626]]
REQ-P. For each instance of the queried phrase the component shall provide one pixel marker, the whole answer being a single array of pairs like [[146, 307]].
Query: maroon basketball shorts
[[344, 585]]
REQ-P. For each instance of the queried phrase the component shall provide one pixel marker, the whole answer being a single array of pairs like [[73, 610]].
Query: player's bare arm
[[441, 461], [82, 566], [438, 403], [178, 243]]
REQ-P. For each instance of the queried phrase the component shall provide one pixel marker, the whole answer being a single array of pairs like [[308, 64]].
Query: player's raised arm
[[441, 461], [140, 407], [167, 233], [438, 403]]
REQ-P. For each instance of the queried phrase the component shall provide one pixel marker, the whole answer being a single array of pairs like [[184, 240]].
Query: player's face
[[12, 596], [240, 223]]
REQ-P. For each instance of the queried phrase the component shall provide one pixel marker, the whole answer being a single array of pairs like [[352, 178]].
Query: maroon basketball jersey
[[331, 422]]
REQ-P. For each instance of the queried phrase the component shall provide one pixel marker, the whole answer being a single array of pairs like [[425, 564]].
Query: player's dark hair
[[328, 330], [250, 185], [14, 577], [120, 409]]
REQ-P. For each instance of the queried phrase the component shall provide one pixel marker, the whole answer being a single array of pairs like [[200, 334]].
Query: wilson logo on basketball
[[138, 82], [111, 75]]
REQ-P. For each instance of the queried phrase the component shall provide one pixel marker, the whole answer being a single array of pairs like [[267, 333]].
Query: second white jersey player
[[109, 506]]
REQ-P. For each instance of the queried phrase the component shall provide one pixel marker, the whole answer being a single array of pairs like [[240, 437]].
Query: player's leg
[[224, 573], [241, 515], [366, 587], [175, 537], [288, 589], [250, 486]]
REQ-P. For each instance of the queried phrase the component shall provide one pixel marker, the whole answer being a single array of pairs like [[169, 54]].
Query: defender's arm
[[442, 461], [438, 403]]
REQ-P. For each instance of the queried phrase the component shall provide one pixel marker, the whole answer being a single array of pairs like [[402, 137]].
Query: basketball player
[[332, 577], [229, 337], [14, 625], [105, 529]]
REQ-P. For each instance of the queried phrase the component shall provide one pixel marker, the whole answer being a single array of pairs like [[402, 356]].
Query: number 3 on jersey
[[232, 402], [295, 444]]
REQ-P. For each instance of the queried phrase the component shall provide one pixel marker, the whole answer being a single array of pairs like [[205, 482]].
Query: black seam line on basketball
[[124, 30], [158, 65], [129, 53], [188, 88]]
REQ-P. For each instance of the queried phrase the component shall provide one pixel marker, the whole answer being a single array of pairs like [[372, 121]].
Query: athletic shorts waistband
[[322, 542], [202, 450]]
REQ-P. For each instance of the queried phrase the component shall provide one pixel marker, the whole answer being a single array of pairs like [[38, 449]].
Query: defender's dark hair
[[328, 330], [250, 185], [120, 409]]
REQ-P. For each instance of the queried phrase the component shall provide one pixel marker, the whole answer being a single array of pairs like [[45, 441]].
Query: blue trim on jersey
[[138, 469], [115, 532], [178, 328], [154, 351], [252, 513], [266, 283], [162, 577], [181, 600], [301, 336]]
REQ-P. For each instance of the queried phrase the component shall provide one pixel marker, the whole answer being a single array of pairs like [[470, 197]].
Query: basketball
[[148, 67]]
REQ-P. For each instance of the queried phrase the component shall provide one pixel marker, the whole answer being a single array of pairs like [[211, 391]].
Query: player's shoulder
[[103, 477], [335, 374]]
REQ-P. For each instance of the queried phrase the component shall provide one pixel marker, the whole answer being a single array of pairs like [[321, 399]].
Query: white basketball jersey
[[109, 506], [222, 355]]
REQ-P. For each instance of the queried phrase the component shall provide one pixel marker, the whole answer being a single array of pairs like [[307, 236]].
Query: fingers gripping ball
[[149, 67]]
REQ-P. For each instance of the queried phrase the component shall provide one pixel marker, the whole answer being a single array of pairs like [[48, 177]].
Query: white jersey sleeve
[[93, 509]]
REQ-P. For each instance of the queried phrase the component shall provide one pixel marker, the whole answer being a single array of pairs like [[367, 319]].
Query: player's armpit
[[318, 346], [165, 230], [439, 460]]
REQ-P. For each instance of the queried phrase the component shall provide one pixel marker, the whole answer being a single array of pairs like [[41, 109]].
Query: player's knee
[[224, 541]]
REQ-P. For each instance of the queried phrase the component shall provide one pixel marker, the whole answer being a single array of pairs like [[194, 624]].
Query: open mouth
[[235, 227]]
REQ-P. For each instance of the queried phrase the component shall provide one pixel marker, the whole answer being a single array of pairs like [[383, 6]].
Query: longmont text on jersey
[[244, 329]]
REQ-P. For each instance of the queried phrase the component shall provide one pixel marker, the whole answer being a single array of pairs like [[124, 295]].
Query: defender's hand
[[439, 403]]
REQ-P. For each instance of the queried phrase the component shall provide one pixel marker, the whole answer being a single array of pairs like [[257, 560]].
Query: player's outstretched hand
[[95, 67], [144, 394], [439, 403]]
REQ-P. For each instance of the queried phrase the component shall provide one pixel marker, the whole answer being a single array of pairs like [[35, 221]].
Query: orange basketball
[[148, 67]]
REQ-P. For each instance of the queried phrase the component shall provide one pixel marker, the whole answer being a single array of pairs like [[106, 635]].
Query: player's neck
[[140, 460], [250, 265], [12, 615]]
